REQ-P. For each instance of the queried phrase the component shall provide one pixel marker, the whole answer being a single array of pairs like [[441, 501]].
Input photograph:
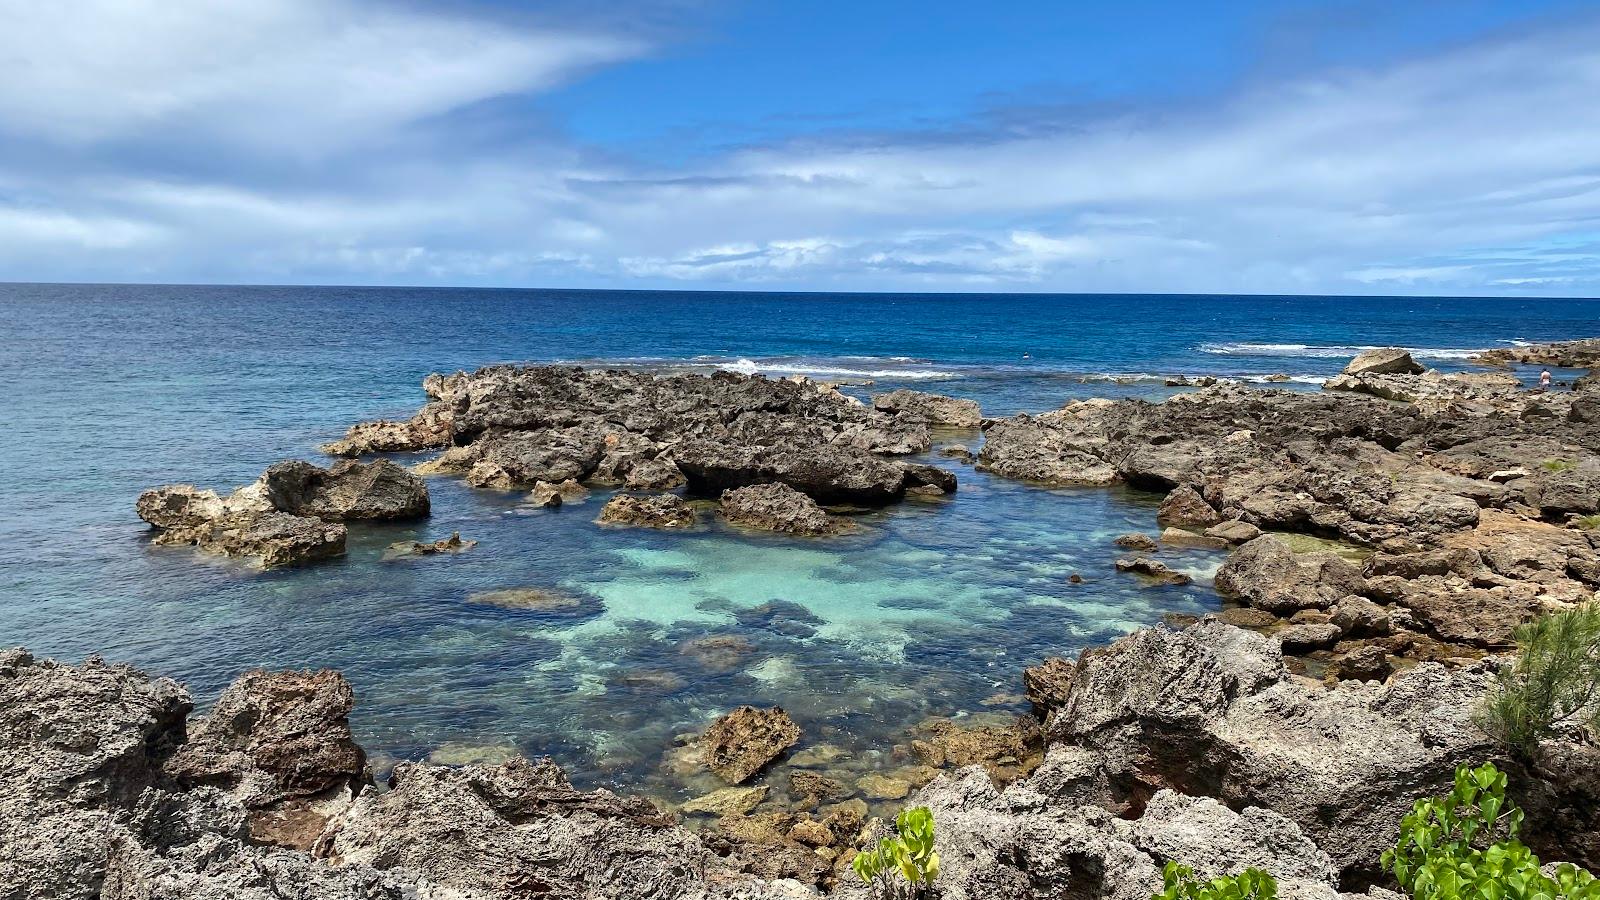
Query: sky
[[1142, 146]]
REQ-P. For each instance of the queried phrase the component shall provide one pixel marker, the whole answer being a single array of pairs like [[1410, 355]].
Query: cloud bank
[[351, 142]]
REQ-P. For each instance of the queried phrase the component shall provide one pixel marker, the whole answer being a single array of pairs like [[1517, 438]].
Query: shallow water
[[932, 608]]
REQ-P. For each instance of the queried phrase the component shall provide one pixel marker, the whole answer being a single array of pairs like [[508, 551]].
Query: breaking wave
[[1331, 352]]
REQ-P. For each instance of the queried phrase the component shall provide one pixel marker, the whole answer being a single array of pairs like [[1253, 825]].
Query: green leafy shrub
[[1556, 464], [1556, 679], [1464, 847], [905, 864], [1179, 883], [1587, 523]]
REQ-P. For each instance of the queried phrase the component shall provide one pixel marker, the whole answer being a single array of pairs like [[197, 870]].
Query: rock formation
[[290, 515], [507, 427], [778, 507]]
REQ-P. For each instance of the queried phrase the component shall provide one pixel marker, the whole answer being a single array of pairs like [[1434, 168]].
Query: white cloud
[[1475, 170], [282, 74]]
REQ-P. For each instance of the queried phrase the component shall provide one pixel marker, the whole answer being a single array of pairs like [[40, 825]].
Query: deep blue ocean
[[931, 610]]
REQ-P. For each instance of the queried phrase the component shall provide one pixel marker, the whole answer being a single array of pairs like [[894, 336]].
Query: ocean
[[932, 609]]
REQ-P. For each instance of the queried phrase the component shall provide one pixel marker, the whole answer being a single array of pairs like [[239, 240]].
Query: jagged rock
[[1006, 752], [272, 538], [1047, 684], [1185, 507], [743, 742], [294, 727], [957, 451], [828, 474], [657, 474], [289, 515], [1152, 569], [1383, 361], [1136, 541], [931, 408], [1268, 575], [428, 429], [1212, 711], [348, 491], [777, 507], [518, 829], [653, 511]]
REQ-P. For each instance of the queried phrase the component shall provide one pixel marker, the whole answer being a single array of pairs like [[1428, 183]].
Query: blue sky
[[1294, 147]]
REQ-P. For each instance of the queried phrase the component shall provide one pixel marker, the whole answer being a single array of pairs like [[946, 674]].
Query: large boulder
[[1383, 361], [828, 474], [777, 507], [1265, 573], [349, 491], [647, 511]]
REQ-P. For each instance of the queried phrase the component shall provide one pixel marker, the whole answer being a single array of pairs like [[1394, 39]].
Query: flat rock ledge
[[510, 428], [293, 514]]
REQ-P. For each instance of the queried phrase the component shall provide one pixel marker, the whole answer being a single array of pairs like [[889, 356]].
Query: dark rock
[[347, 492], [1247, 617], [743, 742], [451, 544]]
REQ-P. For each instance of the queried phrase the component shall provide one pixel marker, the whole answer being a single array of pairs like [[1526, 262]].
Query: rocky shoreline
[[1289, 731]]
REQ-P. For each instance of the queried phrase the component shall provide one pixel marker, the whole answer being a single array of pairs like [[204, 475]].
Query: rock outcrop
[[292, 514], [647, 511], [509, 427], [934, 409], [778, 507]]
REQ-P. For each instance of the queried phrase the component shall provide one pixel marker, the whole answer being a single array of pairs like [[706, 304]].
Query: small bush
[[1556, 464], [1587, 523], [1464, 847], [1180, 883], [908, 855], [1555, 679]]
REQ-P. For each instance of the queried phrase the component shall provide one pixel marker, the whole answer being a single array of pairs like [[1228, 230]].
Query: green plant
[[1587, 523], [1557, 464], [907, 855], [1179, 883], [1555, 679], [1464, 847]]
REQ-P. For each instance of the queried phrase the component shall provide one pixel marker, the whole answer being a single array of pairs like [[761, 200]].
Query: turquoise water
[[932, 608]]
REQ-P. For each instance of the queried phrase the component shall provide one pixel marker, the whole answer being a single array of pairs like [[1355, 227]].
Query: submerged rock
[[1152, 569], [451, 544], [653, 511], [743, 742]]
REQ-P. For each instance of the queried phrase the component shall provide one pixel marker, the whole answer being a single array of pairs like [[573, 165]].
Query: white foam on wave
[[837, 367], [1330, 351]]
